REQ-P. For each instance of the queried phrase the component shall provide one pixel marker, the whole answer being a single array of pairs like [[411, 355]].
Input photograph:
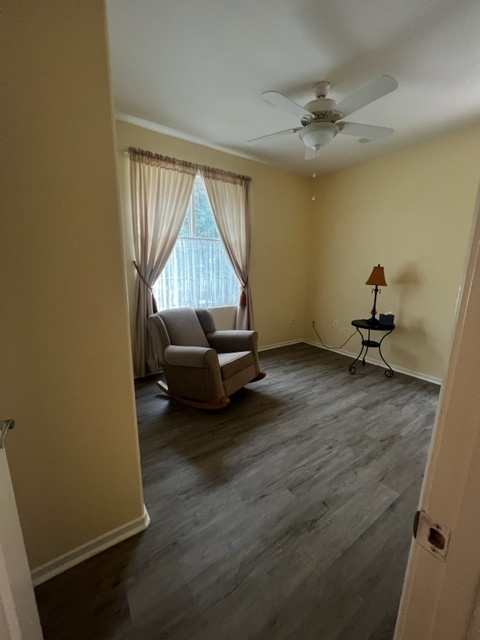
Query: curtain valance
[[163, 162], [166, 162], [223, 176]]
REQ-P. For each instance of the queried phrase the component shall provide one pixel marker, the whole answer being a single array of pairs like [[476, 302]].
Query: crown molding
[[174, 133]]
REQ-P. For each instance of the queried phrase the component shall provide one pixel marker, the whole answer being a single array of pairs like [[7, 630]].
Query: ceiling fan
[[322, 118]]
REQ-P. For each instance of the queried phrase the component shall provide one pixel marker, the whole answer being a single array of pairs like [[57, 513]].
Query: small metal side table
[[367, 343]]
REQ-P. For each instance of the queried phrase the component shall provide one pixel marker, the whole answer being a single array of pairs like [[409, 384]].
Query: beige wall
[[66, 373], [411, 211], [281, 206]]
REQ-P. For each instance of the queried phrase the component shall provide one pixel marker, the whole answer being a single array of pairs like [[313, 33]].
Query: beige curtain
[[160, 190], [230, 199]]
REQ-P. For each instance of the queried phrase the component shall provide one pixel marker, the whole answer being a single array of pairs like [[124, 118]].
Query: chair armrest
[[199, 357], [233, 340]]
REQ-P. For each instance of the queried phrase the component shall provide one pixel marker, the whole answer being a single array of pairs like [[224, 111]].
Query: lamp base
[[373, 322]]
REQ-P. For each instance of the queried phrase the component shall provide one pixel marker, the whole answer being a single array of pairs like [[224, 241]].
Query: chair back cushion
[[206, 320], [183, 327], [159, 335]]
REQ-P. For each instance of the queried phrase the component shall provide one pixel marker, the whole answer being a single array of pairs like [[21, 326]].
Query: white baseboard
[[266, 347], [379, 363], [89, 549]]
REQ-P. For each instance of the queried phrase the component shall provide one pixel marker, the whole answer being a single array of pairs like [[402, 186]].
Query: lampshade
[[318, 134], [377, 277]]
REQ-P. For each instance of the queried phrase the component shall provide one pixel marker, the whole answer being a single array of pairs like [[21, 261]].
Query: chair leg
[[197, 404], [163, 387], [260, 376]]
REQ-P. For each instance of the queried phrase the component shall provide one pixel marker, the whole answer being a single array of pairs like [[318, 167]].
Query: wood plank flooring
[[285, 516]]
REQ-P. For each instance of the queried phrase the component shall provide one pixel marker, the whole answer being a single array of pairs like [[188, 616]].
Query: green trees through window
[[199, 221]]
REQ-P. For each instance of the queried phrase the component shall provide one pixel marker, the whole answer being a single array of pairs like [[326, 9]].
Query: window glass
[[198, 272]]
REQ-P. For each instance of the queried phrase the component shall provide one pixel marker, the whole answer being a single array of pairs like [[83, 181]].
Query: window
[[198, 272]]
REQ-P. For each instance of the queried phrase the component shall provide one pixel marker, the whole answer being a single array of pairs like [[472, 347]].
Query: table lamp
[[376, 279]]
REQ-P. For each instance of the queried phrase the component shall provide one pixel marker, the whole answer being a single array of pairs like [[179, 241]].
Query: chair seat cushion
[[232, 363]]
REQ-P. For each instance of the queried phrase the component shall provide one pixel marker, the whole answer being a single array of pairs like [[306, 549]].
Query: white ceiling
[[198, 68]]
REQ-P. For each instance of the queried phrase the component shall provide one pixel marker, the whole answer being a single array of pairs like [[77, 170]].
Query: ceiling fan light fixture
[[318, 134]]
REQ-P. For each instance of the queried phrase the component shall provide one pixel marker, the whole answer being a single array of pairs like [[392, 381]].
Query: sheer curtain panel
[[160, 190], [229, 196]]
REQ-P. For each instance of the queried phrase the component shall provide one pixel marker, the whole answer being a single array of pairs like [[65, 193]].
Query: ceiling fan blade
[[277, 133], [311, 154], [369, 131], [371, 92], [285, 103]]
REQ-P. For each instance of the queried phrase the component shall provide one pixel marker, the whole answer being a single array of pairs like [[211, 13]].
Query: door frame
[[18, 609]]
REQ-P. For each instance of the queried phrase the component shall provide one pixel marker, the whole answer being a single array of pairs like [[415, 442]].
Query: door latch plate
[[431, 536]]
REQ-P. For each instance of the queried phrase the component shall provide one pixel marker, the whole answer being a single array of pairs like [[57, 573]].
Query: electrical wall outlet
[[335, 324]]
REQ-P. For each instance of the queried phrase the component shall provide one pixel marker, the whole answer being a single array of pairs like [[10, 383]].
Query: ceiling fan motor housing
[[321, 104], [322, 109]]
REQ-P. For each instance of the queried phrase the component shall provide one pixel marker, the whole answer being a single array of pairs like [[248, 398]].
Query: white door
[[18, 611], [441, 595]]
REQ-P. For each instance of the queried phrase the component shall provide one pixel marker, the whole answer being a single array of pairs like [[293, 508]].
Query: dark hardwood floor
[[285, 516]]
